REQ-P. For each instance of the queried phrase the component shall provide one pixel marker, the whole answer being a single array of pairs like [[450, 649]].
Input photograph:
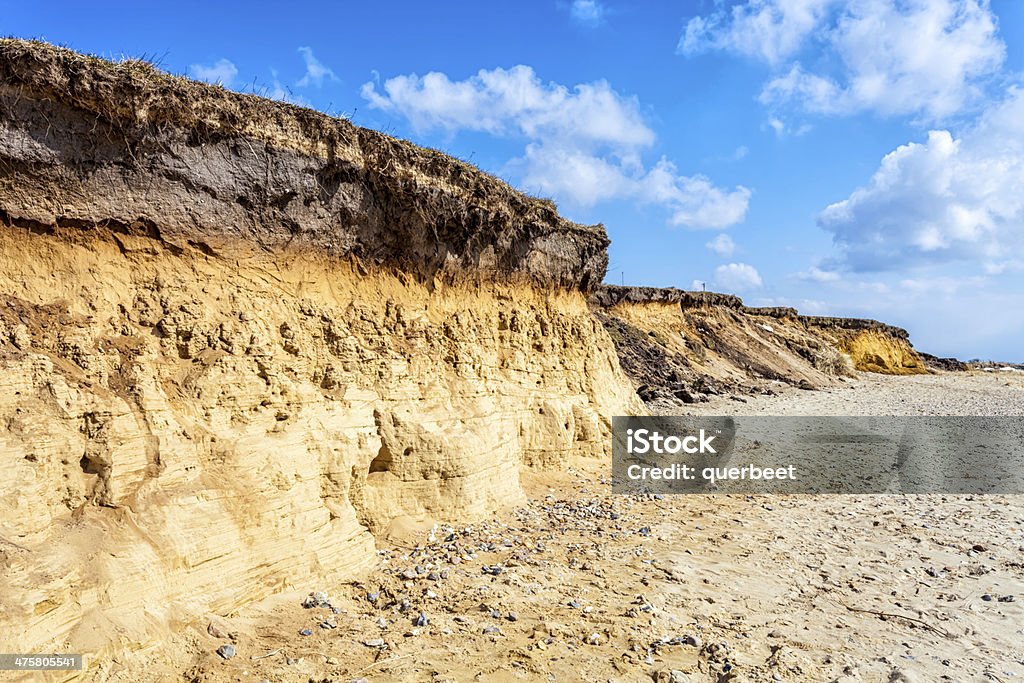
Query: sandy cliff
[[679, 347], [239, 338]]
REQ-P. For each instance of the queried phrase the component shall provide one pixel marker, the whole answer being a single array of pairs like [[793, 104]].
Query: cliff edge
[[89, 143]]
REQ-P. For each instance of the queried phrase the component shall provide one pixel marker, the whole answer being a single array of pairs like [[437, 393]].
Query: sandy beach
[[581, 584]]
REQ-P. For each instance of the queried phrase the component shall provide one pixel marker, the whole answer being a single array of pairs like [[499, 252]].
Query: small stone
[[219, 632], [693, 640], [460, 619], [332, 661], [574, 604], [375, 642], [226, 651], [306, 632], [373, 597], [594, 639], [1006, 598], [328, 624], [492, 630], [421, 620], [512, 616], [409, 574], [495, 614], [382, 623], [978, 548], [671, 676], [433, 576], [986, 597]]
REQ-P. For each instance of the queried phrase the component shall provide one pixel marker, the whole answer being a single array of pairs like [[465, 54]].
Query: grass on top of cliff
[[138, 99]]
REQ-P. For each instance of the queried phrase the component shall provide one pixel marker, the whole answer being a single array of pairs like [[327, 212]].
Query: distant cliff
[[681, 347]]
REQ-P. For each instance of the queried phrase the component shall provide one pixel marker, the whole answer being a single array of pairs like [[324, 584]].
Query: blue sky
[[860, 157]]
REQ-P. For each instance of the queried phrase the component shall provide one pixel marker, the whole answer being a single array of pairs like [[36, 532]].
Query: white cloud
[[816, 274], [316, 71], [920, 57], [737, 277], [782, 129], [223, 71], [279, 91], [722, 245], [942, 200], [770, 30], [501, 101], [588, 12], [583, 145]]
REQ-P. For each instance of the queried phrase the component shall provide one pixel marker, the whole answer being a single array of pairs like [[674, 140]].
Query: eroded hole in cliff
[[88, 465], [383, 461]]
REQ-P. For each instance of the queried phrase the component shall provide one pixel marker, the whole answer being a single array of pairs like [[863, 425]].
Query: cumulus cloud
[[223, 71], [944, 199], [583, 145], [316, 71], [723, 245], [737, 277], [923, 57], [501, 101], [770, 30], [587, 12]]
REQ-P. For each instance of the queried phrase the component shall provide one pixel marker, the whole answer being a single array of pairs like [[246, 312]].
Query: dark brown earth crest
[[86, 142]]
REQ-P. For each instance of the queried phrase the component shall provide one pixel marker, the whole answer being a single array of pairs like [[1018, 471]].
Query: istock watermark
[[760, 454]]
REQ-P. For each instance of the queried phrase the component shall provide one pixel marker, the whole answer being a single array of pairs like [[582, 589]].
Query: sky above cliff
[[848, 158]]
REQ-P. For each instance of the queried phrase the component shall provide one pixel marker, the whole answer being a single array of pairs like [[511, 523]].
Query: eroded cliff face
[[239, 339], [679, 347]]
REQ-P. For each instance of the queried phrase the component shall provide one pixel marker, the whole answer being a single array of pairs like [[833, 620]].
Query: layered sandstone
[[240, 339]]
